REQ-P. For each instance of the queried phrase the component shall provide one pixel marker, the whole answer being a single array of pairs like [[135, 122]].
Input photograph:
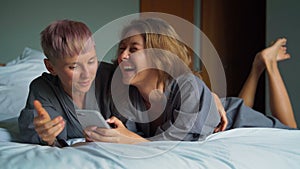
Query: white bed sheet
[[247, 148]]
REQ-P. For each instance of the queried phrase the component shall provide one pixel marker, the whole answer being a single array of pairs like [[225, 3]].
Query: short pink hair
[[66, 38]]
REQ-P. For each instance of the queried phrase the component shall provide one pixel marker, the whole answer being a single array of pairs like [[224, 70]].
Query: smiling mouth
[[129, 68]]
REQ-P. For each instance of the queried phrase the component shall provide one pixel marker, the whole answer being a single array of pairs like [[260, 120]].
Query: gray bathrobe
[[189, 114], [48, 90]]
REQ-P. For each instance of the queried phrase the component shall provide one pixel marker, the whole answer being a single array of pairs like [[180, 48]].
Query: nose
[[84, 72], [124, 55]]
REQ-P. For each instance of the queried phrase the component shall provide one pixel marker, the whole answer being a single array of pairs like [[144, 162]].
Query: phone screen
[[91, 118]]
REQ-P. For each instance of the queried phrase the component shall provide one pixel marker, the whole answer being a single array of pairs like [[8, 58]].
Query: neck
[[79, 99], [147, 86]]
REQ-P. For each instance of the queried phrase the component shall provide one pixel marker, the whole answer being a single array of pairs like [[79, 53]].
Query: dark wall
[[237, 30]]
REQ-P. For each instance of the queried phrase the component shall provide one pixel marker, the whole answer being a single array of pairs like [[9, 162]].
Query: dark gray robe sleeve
[[191, 111], [239, 115], [56, 102], [50, 93]]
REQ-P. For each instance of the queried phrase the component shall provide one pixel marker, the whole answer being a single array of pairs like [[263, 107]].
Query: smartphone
[[91, 118]]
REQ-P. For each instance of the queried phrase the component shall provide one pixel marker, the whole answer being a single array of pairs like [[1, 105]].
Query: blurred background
[[238, 29]]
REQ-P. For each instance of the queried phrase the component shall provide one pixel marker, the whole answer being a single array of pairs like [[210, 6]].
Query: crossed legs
[[267, 59]]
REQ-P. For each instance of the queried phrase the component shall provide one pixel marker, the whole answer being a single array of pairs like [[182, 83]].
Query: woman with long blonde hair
[[167, 101]]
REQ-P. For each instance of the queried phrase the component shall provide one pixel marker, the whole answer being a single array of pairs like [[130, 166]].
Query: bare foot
[[271, 55]]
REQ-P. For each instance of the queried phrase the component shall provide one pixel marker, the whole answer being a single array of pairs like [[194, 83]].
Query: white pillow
[[22, 70], [15, 79], [27, 55]]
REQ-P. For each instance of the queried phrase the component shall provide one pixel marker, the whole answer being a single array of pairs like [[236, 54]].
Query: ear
[[49, 66]]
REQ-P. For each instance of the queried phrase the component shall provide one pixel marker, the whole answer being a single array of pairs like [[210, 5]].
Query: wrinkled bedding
[[247, 148]]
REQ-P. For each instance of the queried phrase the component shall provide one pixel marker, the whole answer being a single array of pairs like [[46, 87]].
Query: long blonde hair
[[158, 34]]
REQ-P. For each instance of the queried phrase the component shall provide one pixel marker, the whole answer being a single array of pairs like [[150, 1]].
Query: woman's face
[[132, 60], [77, 73]]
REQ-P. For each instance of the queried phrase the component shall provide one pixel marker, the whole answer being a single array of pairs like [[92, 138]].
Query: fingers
[[50, 135], [105, 132], [47, 125], [49, 130], [114, 120], [94, 133], [42, 113], [46, 128], [217, 129], [100, 131], [221, 127], [101, 134], [224, 121]]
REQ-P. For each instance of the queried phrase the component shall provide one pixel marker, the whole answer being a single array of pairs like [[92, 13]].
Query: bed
[[244, 148]]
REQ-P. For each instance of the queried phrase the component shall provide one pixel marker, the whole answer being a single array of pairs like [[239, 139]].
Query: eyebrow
[[125, 42], [73, 63], [136, 43], [95, 56]]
